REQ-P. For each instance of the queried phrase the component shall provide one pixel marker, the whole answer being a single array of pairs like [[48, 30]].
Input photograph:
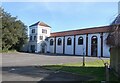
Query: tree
[[113, 38], [13, 32]]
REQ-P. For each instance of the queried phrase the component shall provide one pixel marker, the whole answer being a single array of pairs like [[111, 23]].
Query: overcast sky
[[63, 16]]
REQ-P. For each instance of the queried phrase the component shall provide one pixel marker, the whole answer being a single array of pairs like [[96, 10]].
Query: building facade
[[38, 32], [89, 42]]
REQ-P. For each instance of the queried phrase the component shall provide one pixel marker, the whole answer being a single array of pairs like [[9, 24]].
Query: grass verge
[[95, 69], [8, 51]]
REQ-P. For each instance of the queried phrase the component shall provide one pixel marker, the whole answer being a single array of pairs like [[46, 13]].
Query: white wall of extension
[[106, 48], [59, 48], [98, 44], [51, 47], [69, 49], [80, 49]]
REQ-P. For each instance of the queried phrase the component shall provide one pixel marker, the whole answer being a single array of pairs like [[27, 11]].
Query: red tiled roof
[[81, 31]]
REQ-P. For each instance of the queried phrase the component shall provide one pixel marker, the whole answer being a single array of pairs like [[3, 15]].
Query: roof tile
[[81, 31]]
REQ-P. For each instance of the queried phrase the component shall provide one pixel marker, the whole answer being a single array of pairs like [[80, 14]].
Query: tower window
[[44, 31], [30, 38], [35, 38], [41, 37], [33, 30]]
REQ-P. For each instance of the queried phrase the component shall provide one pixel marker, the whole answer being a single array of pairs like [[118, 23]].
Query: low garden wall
[[115, 60]]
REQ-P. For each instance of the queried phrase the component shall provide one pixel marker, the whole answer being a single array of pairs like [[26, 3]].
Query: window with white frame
[[80, 41], [44, 31], [69, 41], [30, 38], [33, 30], [51, 42], [41, 37], [59, 42], [35, 38]]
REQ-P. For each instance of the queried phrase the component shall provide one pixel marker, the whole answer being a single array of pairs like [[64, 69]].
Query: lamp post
[[83, 57]]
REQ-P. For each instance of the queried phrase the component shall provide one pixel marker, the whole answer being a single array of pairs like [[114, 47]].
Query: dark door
[[43, 50], [94, 46], [43, 47], [33, 48]]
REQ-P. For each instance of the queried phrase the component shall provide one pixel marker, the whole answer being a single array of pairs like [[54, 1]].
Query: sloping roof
[[81, 31], [34, 24], [116, 21], [40, 23], [43, 24]]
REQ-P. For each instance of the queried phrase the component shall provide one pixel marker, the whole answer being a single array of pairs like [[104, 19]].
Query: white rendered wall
[[38, 47], [39, 33], [106, 48], [48, 46], [69, 48], [32, 42], [98, 44], [79, 48], [59, 48], [51, 47], [30, 30]]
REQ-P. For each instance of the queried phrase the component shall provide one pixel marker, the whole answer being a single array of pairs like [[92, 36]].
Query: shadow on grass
[[97, 73], [60, 73]]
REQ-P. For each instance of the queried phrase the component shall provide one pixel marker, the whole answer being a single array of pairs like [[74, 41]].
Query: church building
[[89, 41]]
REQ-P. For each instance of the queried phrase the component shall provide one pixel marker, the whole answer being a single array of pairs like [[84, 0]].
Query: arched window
[[59, 42], [80, 41], [69, 41], [94, 40], [51, 42], [94, 46]]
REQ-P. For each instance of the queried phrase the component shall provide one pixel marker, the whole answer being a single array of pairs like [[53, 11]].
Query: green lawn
[[8, 51], [95, 69]]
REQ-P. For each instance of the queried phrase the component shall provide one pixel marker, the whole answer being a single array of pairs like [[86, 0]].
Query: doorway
[[33, 48], [94, 46], [43, 47]]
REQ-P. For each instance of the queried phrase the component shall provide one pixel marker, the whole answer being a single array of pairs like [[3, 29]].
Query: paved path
[[22, 67], [27, 59], [31, 73]]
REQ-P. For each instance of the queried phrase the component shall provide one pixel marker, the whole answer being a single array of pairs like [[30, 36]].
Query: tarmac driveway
[[31, 73], [27, 67]]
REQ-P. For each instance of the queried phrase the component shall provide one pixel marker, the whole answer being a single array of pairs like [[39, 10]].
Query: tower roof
[[40, 23]]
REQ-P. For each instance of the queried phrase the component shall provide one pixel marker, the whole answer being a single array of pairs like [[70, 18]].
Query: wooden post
[[55, 46], [83, 58], [107, 71], [74, 45], [101, 44]]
